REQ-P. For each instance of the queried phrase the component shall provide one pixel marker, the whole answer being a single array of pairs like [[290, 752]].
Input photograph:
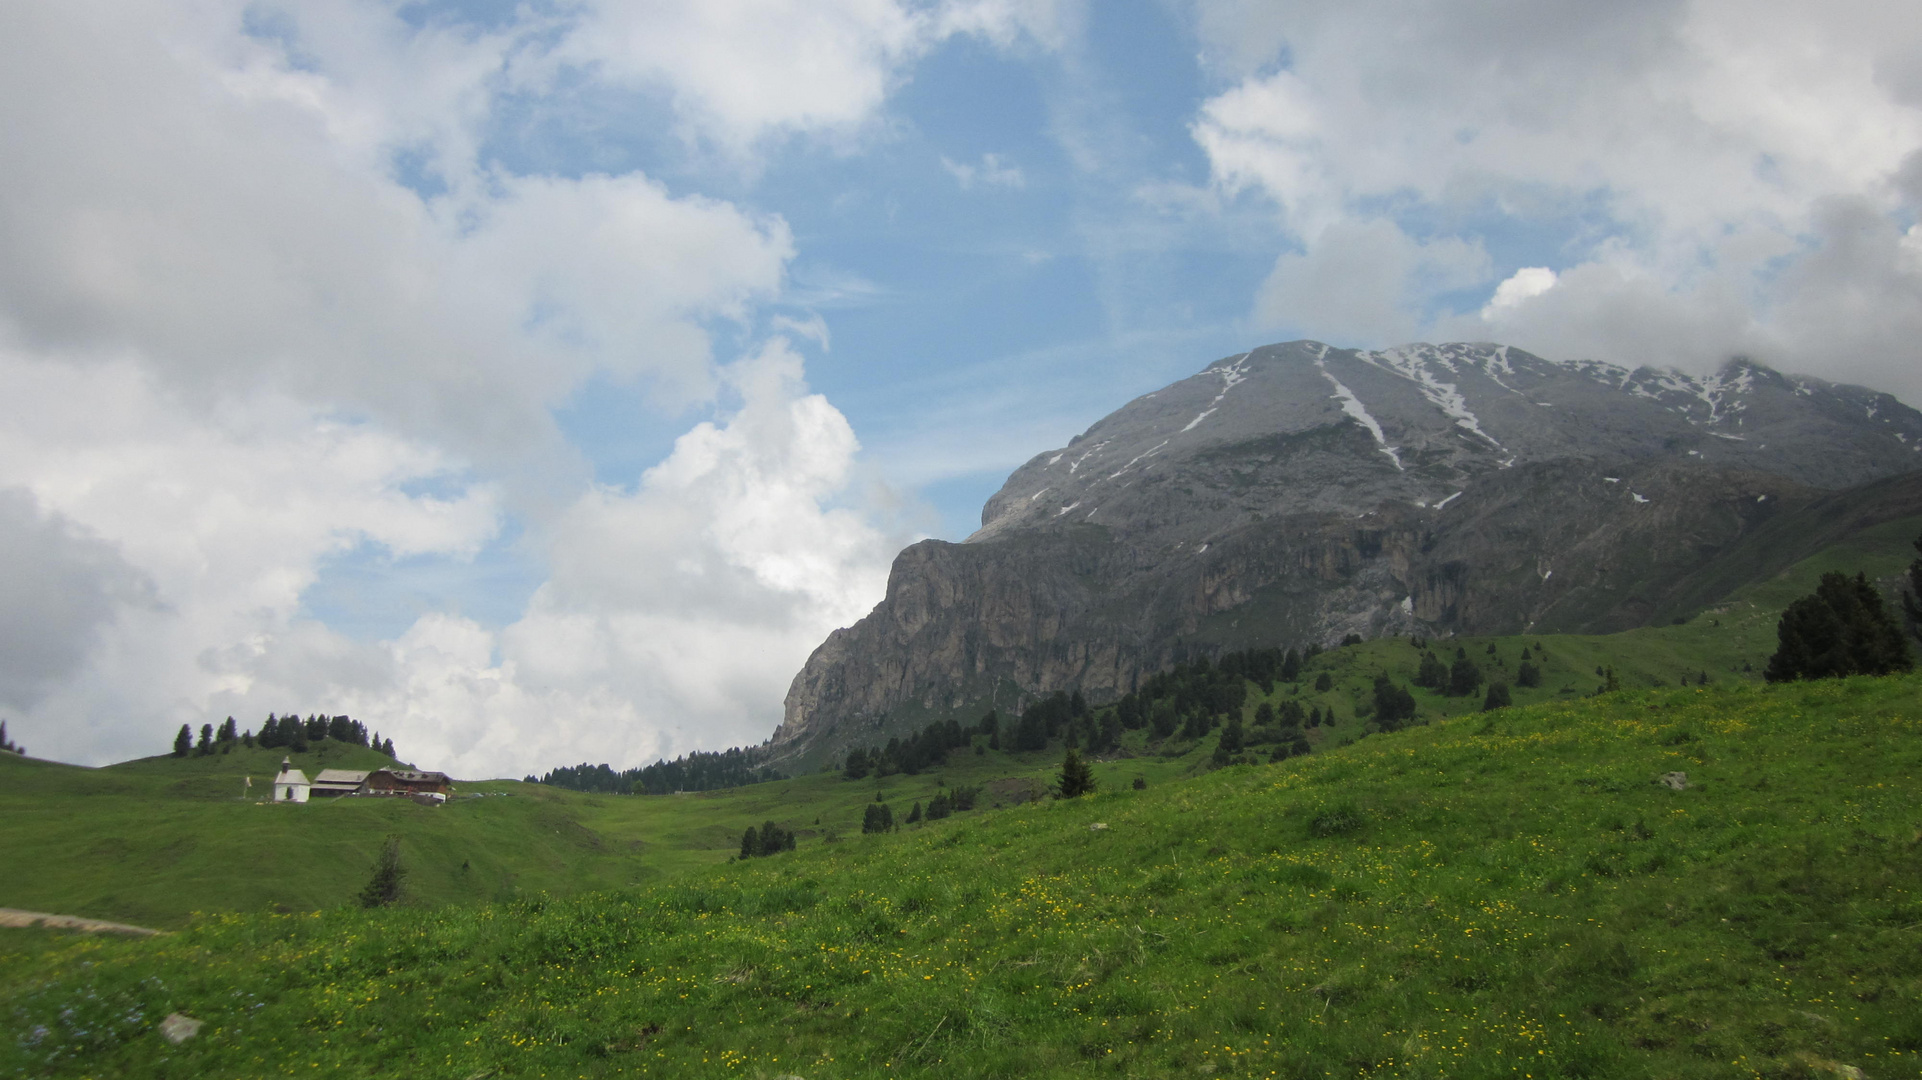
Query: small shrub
[[384, 887]]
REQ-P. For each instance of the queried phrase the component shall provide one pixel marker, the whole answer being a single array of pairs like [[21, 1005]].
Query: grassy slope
[[1502, 895], [154, 840]]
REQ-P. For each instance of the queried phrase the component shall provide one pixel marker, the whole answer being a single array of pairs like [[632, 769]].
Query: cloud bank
[[271, 293], [1668, 181]]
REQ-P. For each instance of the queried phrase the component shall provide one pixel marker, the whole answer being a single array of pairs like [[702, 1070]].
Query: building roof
[[417, 776], [350, 777], [291, 775]]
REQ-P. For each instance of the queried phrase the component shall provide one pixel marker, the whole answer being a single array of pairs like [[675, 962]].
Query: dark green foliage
[[1912, 598], [914, 815], [856, 767], [206, 747], [939, 806], [1394, 705], [698, 771], [769, 839], [228, 732], [925, 749], [8, 745], [1163, 724], [877, 818], [963, 796], [1350, 639], [1433, 674], [1464, 678], [384, 887], [1233, 739], [1528, 675], [1498, 697], [184, 742], [1841, 629], [1265, 713], [1324, 683], [1076, 778]]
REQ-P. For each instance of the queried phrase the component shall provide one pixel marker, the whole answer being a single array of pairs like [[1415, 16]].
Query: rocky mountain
[[1299, 493]]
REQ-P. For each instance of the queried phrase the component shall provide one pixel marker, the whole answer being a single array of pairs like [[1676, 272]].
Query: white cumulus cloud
[[1733, 174]]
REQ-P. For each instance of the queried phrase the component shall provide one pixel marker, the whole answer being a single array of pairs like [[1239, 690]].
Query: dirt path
[[16, 917]]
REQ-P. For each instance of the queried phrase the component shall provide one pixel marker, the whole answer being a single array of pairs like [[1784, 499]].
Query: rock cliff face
[[1300, 493]]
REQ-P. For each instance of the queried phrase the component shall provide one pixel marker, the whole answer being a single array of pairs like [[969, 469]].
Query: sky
[[541, 382]]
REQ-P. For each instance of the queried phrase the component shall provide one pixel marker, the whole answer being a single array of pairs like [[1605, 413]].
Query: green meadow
[[1508, 894]]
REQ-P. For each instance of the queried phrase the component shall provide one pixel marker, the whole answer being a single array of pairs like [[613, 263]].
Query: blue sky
[[542, 381]]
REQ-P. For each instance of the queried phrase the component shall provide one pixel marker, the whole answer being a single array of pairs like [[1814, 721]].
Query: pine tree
[[1912, 598], [184, 742], [877, 818], [206, 747], [1840, 629], [229, 731], [1433, 674], [1077, 779], [1394, 705], [1497, 697], [1528, 675], [1233, 737], [914, 815], [1463, 676], [1324, 683], [1265, 714], [750, 843], [383, 888]]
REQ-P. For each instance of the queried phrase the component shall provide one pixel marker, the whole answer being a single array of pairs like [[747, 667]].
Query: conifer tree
[[184, 742], [206, 747], [1394, 705], [383, 888], [750, 843], [1265, 714], [1912, 599], [914, 815], [877, 818], [1233, 738], [1463, 676], [1528, 675], [1433, 674], [1077, 779], [1497, 697], [1324, 683], [1840, 629]]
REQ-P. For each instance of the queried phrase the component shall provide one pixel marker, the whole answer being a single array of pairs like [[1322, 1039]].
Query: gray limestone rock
[[1298, 493]]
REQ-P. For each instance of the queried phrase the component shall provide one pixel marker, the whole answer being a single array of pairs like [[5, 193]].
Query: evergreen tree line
[[698, 771], [925, 749], [289, 731], [9, 745]]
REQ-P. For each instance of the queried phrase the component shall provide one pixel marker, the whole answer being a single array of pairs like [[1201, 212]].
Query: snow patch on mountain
[[1352, 405]]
